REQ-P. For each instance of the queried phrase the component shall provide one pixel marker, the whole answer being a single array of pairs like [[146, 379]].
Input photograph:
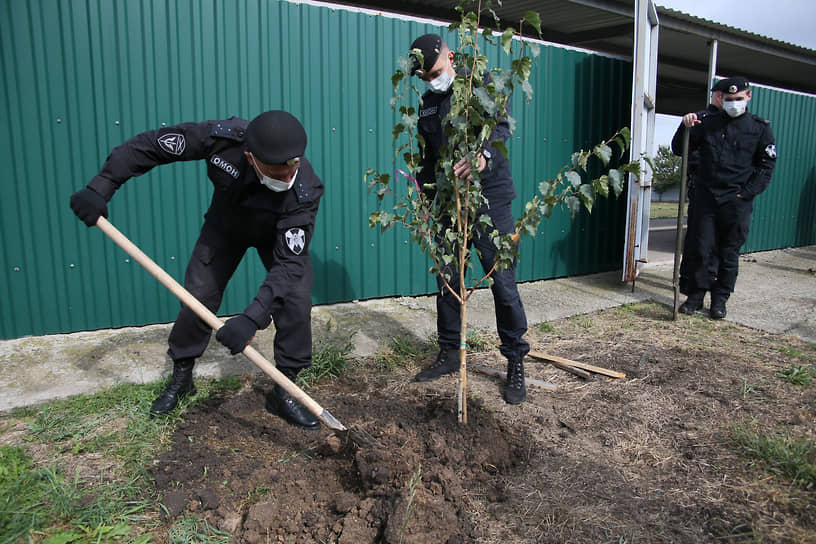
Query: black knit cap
[[276, 136], [431, 47], [720, 86]]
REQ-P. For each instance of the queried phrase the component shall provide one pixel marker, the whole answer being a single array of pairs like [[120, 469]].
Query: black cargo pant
[[718, 230], [216, 255], [511, 321]]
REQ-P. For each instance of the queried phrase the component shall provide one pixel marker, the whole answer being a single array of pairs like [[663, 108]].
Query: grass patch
[[191, 530], [478, 342], [329, 361], [797, 375], [97, 501], [792, 458], [545, 327], [402, 352], [584, 321], [665, 210]]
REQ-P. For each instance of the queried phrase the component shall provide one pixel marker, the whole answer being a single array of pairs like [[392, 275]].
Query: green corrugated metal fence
[[785, 214], [81, 76]]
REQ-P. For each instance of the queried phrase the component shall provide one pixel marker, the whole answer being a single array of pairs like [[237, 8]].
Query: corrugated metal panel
[[785, 214], [83, 76]]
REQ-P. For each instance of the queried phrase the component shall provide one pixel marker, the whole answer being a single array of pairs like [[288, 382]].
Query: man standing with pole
[[737, 158]]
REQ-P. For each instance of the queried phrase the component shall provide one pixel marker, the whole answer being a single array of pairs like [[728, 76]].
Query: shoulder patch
[[296, 240], [173, 143], [770, 150], [233, 129]]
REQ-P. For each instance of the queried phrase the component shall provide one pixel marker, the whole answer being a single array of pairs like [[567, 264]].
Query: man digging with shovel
[[266, 196]]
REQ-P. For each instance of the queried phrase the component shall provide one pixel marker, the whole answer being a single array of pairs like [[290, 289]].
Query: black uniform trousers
[[716, 230], [511, 321], [687, 286], [216, 255]]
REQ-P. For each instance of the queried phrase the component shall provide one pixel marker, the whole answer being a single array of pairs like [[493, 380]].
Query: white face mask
[[274, 184], [441, 83], [735, 108]]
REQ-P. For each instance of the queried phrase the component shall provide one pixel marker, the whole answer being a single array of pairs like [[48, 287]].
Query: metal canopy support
[[712, 67], [644, 79]]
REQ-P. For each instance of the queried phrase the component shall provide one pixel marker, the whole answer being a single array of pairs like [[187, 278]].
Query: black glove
[[88, 205], [237, 333]]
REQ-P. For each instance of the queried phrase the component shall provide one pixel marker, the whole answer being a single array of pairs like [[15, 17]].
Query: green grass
[[778, 453], [328, 361], [80, 507], [797, 375], [402, 352], [545, 327], [665, 210], [191, 530], [584, 321]]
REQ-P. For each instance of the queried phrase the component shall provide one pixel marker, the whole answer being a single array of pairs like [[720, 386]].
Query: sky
[[791, 21]]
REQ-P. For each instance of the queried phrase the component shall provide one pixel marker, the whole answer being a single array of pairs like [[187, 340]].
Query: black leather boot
[[447, 362], [281, 403], [516, 390], [181, 384], [718, 308], [693, 303]]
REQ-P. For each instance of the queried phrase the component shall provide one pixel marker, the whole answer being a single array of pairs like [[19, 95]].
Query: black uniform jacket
[[241, 207], [737, 155], [497, 183]]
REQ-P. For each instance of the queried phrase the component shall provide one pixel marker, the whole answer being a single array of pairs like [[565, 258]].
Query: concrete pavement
[[776, 292]]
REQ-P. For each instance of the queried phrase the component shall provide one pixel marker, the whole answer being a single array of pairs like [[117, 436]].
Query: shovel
[[210, 318]]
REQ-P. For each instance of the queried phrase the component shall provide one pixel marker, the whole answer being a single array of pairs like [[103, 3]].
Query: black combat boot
[[693, 303], [281, 404], [447, 362], [516, 390], [717, 310], [181, 384]]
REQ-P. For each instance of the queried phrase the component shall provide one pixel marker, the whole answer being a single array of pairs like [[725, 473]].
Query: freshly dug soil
[[648, 458]]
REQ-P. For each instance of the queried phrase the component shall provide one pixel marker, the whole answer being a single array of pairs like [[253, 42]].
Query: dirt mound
[[260, 479]]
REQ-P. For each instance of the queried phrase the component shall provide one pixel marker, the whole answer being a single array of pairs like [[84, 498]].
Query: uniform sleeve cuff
[[261, 316], [103, 186]]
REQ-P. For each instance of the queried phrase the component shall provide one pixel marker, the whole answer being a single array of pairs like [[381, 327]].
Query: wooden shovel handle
[[212, 320]]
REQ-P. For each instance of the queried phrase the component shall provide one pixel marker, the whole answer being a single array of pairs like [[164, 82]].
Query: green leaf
[[398, 76], [621, 144], [587, 196], [528, 91], [546, 210], [522, 67], [616, 181], [574, 178], [546, 188], [485, 100], [604, 152], [627, 136], [601, 186], [499, 146], [397, 130], [507, 39], [535, 49], [574, 205], [534, 20]]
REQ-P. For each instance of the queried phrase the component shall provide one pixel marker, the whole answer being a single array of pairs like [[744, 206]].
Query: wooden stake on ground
[[561, 362]]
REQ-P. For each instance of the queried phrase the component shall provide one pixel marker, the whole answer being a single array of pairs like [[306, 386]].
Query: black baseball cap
[[275, 137], [431, 47]]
